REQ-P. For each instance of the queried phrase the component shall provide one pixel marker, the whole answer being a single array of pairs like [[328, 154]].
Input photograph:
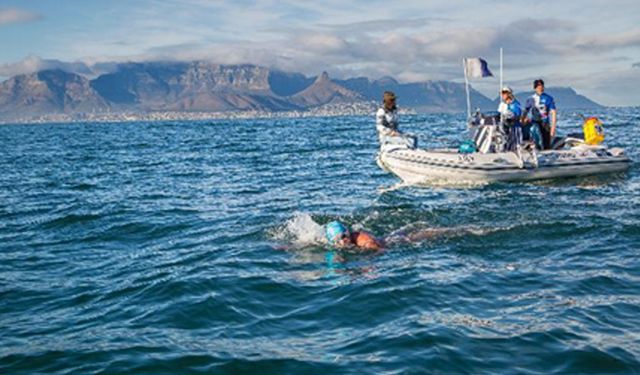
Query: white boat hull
[[416, 166]]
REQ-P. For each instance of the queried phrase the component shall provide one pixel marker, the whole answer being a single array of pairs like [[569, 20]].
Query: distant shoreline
[[367, 109], [338, 110]]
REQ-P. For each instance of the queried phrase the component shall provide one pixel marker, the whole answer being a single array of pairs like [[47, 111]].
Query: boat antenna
[[500, 88], [466, 86]]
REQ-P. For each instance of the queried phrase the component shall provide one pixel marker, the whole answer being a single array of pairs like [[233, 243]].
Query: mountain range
[[207, 87]]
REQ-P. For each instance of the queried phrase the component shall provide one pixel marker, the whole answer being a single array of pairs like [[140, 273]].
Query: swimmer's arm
[[421, 235], [435, 233], [366, 241], [372, 245]]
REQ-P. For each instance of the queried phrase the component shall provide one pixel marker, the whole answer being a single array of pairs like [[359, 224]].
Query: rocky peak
[[324, 77], [324, 91]]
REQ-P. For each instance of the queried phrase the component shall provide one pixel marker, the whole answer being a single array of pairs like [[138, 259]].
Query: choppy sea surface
[[178, 247]]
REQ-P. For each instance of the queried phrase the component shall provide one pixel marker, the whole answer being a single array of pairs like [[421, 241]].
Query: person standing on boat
[[542, 108], [510, 112], [387, 117]]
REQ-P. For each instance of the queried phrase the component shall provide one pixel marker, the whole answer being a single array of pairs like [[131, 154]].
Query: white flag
[[475, 67]]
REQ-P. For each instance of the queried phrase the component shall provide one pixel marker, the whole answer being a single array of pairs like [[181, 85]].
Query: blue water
[[195, 247]]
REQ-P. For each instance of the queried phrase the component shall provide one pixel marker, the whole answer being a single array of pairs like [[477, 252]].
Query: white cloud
[[381, 25], [609, 41], [34, 64], [13, 15]]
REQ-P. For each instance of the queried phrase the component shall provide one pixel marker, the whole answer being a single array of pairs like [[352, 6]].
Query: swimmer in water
[[340, 236]]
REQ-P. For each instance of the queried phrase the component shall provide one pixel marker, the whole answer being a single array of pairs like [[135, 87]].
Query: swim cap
[[334, 229]]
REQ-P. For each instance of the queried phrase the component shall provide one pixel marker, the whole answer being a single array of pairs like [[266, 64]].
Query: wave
[[299, 231]]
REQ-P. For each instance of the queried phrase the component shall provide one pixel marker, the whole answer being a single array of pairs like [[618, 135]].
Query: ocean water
[[179, 247]]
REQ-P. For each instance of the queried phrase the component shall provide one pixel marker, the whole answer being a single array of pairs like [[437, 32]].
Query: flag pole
[[500, 88], [466, 86]]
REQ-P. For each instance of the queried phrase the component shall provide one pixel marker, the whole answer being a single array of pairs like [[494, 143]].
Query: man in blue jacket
[[543, 114]]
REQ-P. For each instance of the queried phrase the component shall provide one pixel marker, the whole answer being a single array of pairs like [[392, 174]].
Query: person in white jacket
[[387, 117]]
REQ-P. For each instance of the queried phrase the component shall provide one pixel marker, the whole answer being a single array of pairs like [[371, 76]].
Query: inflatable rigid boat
[[570, 157]]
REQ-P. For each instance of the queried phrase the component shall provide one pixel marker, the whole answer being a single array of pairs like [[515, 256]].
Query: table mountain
[[195, 86]]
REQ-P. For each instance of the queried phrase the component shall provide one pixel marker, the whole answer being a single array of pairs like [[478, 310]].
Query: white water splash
[[396, 186], [431, 183], [301, 230]]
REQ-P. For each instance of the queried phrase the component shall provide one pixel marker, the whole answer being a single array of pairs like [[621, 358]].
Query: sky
[[590, 45]]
